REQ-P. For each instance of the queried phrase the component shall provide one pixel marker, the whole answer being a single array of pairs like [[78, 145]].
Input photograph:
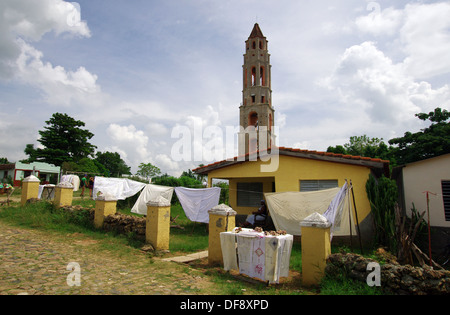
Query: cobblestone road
[[35, 262]]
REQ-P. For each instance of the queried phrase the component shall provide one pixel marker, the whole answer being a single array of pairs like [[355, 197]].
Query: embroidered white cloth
[[197, 202], [117, 188], [257, 256], [151, 192]]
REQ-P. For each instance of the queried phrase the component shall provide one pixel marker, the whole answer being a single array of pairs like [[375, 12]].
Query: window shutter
[[315, 185], [249, 194], [446, 198]]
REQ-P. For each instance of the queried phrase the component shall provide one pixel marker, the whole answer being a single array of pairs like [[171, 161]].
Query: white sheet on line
[[116, 188], [151, 192], [197, 202], [335, 210], [288, 209], [73, 179]]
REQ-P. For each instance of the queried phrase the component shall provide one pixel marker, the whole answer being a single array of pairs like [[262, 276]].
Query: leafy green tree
[[364, 146], [339, 149], [4, 160], [113, 163], [63, 140], [31, 152], [85, 165], [148, 170], [429, 142]]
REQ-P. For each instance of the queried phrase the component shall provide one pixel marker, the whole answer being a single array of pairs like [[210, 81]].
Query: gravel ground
[[36, 263]]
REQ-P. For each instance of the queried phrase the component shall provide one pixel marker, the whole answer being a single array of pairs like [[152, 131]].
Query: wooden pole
[[350, 220], [356, 217], [429, 227]]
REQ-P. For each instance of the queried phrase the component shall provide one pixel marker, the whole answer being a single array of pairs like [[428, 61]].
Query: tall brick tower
[[256, 111]]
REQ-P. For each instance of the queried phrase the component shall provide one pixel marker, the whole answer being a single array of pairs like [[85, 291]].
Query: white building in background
[[47, 173], [430, 175]]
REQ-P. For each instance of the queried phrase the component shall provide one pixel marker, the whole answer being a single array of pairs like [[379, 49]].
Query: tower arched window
[[253, 119], [253, 76], [262, 78]]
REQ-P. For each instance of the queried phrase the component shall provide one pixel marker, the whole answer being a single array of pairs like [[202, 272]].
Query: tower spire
[[256, 32]]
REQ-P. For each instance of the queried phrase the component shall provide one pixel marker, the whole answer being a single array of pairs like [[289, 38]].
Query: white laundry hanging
[[73, 179], [116, 188], [288, 209], [197, 202], [335, 210], [149, 193]]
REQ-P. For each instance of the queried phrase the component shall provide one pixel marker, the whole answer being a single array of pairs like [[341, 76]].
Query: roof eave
[[313, 155]]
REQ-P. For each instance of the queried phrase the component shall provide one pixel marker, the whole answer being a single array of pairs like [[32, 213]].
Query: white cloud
[[423, 30], [164, 162], [379, 93], [385, 22], [425, 36], [14, 129], [157, 129], [30, 20], [60, 87], [130, 140], [33, 19]]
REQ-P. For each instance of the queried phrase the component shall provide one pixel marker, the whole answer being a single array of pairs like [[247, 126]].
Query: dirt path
[[35, 262]]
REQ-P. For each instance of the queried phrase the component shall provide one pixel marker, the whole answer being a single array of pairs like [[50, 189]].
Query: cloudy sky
[[140, 73]]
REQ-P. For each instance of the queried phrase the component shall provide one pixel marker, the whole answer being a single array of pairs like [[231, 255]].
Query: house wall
[[5, 174], [288, 175], [424, 176], [42, 170]]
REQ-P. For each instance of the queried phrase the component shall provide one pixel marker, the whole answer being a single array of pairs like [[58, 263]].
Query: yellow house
[[251, 176]]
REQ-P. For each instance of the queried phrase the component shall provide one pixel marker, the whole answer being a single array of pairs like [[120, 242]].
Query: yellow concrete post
[[157, 229], [221, 219], [63, 195], [104, 207], [316, 247], [30, 189]]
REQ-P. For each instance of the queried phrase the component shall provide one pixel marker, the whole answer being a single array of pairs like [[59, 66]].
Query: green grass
[[342, 285], [42, 215]]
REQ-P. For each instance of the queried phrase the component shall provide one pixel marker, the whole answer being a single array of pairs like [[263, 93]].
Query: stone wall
[[119, 223], [125, 224], [395, 278]]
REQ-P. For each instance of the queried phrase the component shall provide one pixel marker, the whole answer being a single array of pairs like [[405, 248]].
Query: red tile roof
[[335, 157]]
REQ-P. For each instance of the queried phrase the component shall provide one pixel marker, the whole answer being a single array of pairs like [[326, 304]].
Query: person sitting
[[259, 215]]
